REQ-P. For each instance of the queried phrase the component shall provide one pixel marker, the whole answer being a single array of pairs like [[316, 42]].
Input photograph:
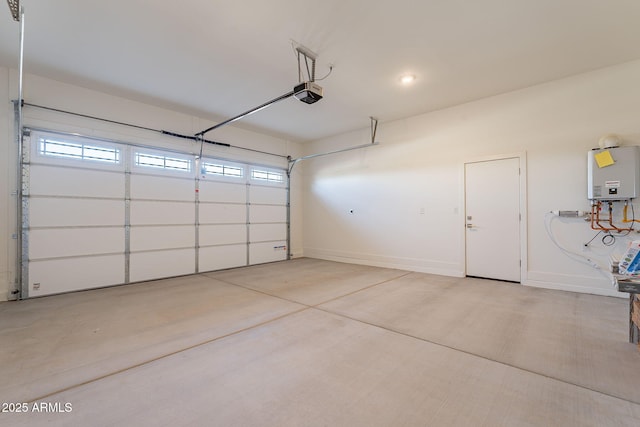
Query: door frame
[[522, 158]]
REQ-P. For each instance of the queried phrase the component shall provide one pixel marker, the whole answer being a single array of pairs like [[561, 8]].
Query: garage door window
[[80, 151], [270, 176], [159, 161], [222, 170]]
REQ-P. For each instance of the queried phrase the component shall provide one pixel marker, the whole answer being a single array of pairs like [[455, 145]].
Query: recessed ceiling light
[[407, 79]]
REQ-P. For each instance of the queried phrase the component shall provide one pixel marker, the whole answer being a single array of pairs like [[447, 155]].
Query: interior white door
[[492, 196]]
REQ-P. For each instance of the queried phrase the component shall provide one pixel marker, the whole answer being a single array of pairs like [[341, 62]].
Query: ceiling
[[219, 58]]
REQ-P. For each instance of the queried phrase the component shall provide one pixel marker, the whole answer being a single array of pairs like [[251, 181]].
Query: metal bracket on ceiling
[[307, 55], [374, 129], [14, 6]]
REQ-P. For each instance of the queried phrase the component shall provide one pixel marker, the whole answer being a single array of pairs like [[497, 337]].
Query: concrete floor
[[316, 343]]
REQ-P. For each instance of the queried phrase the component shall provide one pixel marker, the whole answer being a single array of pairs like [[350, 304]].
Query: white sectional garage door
[[98, 213]]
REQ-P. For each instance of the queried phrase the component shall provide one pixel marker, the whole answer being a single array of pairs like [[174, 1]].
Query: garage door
[[98, 213]]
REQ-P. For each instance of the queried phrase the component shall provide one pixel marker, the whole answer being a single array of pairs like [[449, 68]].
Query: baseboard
[[573, 283], [297, 254], [409, 264], [562, 282]]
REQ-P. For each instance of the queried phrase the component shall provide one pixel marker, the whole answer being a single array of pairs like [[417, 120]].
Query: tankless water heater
[[613, 173]]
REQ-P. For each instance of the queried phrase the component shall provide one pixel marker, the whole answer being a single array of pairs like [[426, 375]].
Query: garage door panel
[[155, 265], [211, 213], [151, 187], [267, 232], [60, 181], [71, 274], [221, 257], [222, 234], [216, 191], [259, 214], [268, 195], [165, 237], [156, 213], [63, 242], [58, 212], [260, 253]]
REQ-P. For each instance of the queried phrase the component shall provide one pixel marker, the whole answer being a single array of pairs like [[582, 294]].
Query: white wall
[[46, 92], [419, 163]]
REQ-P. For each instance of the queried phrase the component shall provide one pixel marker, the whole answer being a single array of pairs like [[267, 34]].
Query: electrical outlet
[[36, 286]]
